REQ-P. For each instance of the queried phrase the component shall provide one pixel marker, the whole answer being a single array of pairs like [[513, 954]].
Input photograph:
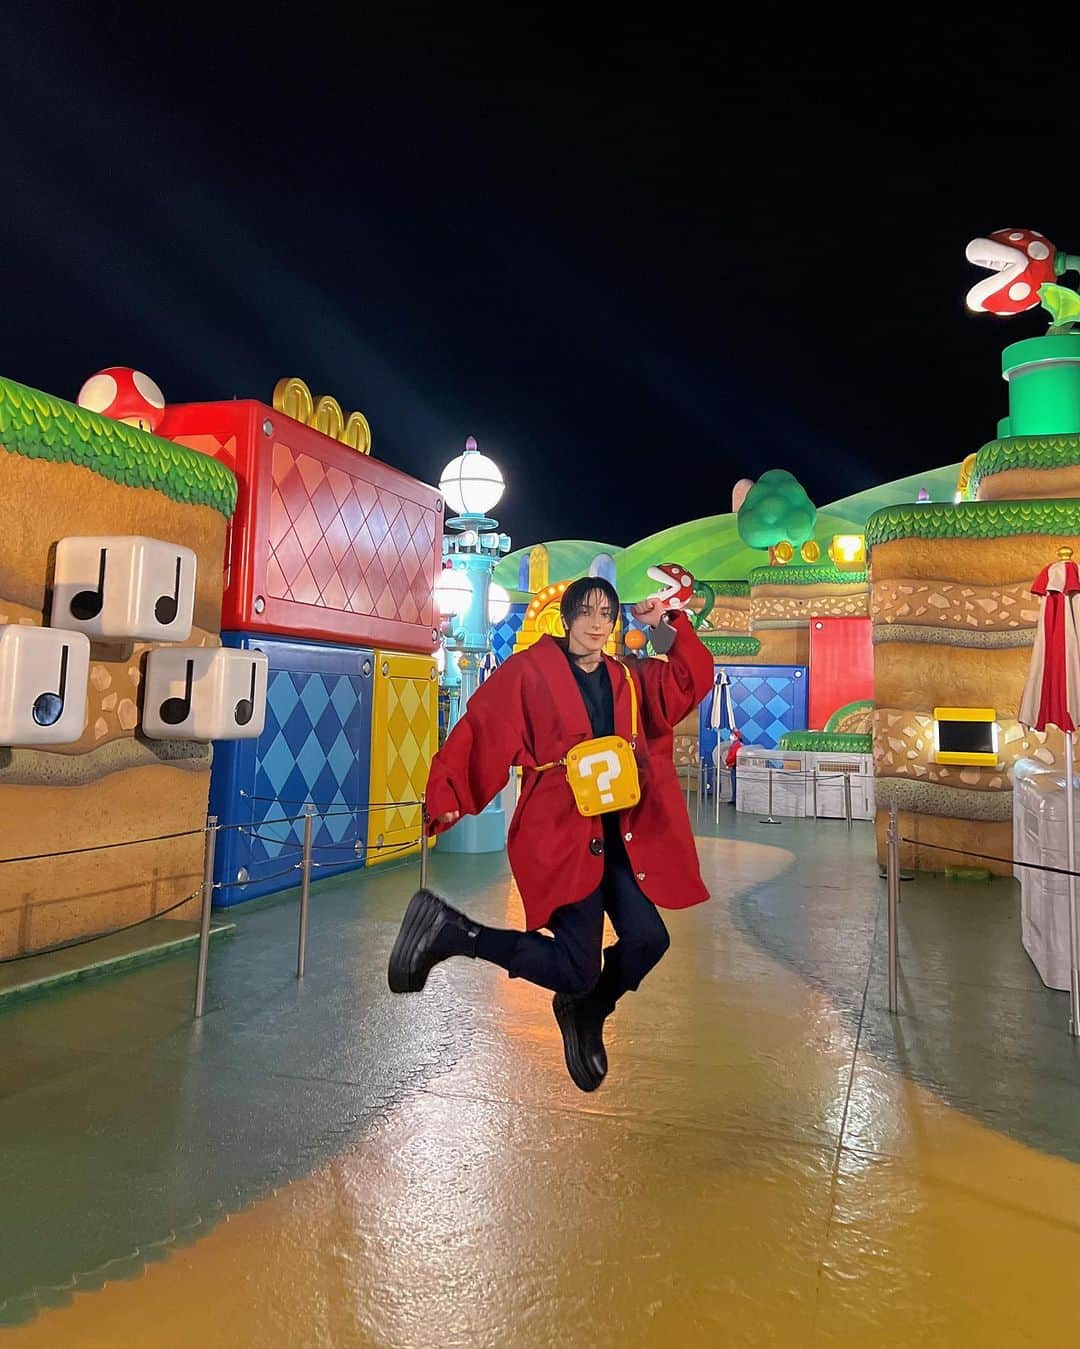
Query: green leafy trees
[[776, 510]]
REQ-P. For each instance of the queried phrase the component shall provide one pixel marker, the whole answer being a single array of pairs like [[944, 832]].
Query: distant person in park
[[571, 868], [731, 759]]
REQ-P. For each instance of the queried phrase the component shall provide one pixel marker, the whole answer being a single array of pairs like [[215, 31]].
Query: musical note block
[[204, 693], [124, 587], [43, 686]]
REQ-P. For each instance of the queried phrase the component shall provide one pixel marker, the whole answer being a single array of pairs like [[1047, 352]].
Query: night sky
[[636, 267]]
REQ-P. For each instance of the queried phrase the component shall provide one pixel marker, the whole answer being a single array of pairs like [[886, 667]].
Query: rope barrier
[[989, 857], [283, 819], [101, 847], [98, 936], [385, 849], [210, 831], [395, 847], [319, 815], [291, 843], [352, 810], [256, 880]]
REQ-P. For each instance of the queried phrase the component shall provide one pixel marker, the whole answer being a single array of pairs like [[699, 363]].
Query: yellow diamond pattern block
[[404, 738]]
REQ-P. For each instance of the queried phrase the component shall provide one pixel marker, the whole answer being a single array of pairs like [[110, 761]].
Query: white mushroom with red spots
[[126, 395], [1020, 261]]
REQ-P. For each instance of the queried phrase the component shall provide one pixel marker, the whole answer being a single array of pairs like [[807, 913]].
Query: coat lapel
[[565, 695]]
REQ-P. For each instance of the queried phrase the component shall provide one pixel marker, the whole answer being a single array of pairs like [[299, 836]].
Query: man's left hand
[[650, 612]]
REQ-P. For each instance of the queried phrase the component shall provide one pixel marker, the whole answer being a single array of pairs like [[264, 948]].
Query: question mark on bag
[[612, 769]]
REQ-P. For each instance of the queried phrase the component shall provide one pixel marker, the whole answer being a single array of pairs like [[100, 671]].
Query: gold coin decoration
[[292, 397]]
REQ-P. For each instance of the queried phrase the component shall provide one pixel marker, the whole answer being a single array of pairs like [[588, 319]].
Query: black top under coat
[[599, 699]]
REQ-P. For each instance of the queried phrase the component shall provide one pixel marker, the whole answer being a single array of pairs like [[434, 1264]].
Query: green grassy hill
[[567, 558], [711, 547]]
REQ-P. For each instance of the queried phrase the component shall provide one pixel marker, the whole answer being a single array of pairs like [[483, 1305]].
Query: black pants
[[570, 960]]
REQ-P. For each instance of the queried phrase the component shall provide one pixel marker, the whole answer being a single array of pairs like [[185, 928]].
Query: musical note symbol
[[245, 708], [87, 603], [165, 610], [176, 710], [49, 707]]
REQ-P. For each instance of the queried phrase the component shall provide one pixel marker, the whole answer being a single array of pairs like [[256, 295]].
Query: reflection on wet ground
[[773, 1159]]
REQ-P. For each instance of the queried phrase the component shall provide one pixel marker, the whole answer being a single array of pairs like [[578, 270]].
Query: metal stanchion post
[[423, 841], [847, 800], [305, 891], [771, 819], [814, 774], [893, 883], [204, 921]]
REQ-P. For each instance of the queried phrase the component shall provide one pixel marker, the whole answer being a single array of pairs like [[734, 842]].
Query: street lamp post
[[471, 485]]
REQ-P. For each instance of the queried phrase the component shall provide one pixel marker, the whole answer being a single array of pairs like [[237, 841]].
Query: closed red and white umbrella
[[1052, 698]]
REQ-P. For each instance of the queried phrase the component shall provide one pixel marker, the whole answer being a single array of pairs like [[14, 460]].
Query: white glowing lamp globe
[[498, 603], [471, 483], [453, 591]]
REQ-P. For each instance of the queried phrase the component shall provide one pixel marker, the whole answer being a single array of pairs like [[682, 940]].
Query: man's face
[[592, 623]]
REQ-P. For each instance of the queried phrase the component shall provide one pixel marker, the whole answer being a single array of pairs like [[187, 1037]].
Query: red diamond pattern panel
[[342, 543], [325, 544]]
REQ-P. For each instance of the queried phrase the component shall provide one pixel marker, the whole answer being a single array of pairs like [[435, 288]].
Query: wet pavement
[[773, 1159]]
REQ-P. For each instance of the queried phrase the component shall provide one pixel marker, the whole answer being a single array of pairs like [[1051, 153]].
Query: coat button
[[596, 847], [641, 875], [627, 837]]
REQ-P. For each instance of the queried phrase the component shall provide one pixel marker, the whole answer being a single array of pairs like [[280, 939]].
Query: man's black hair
[[577, 592]]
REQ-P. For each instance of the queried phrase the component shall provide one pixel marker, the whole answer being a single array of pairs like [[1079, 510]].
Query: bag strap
[[633, 707], [556, 763]]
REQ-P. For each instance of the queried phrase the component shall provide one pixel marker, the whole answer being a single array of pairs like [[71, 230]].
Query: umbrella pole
[[1074, 954]]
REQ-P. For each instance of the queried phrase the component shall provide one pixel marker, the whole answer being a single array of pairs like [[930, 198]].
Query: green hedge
[[972, 520], [826, 742], [729, 589], [812, 574], [1039, 452], [732, 646], [38, 426]]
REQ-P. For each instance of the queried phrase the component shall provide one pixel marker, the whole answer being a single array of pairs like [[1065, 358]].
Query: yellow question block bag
[[603, 773]]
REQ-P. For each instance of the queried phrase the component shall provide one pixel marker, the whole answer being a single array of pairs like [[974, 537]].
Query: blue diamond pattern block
[[315, 750], [504, 634], [767, 700]]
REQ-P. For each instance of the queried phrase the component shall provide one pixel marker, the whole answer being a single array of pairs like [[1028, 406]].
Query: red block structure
[[841, 666], [326, 543]]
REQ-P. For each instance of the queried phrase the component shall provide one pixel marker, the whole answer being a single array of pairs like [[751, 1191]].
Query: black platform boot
[[430, 931], [582, 1029]]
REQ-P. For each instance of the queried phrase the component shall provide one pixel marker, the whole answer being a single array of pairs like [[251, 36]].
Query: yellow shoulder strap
[[633, 705]]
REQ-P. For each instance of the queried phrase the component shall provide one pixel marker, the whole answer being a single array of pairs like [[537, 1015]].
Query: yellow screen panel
[[966, 736]]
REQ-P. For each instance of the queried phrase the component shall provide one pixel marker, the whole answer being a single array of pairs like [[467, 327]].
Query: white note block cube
[[124, 587], [43, 686], [200, 693]]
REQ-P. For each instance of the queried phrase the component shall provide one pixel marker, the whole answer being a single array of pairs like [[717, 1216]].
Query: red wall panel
[[841, 666], [326, 543]]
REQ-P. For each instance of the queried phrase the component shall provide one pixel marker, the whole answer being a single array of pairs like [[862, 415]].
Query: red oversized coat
[[530, 712]]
